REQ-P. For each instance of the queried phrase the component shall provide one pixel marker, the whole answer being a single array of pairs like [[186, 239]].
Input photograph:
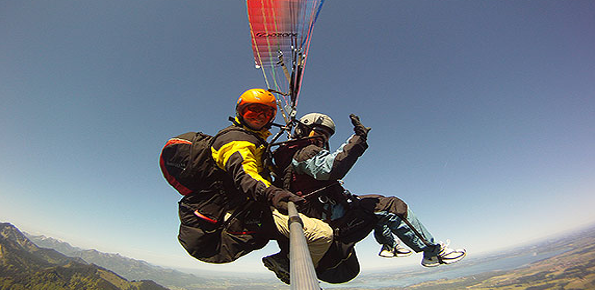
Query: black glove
[[358, 128], [281, 197]]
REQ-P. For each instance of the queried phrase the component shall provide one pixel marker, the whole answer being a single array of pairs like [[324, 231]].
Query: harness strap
[[317, 192]]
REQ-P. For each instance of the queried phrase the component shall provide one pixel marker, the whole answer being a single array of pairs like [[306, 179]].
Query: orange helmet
[[256, 96]]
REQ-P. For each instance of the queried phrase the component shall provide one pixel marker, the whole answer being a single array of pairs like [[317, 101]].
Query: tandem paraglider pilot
[[229, 206]]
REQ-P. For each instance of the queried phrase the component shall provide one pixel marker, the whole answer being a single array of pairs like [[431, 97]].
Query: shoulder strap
[[236, 128]]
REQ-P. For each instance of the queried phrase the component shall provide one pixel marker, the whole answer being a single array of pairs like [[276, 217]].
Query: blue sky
[[482, 114]]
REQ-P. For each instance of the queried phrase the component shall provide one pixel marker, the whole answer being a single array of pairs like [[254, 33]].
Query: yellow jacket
[[241, 154]]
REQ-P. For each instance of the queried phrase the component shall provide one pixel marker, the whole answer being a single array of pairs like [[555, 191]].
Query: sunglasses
[[323, 132], [254, 111]]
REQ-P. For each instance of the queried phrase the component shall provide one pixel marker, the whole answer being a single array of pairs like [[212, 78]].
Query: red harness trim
[[200, 215]]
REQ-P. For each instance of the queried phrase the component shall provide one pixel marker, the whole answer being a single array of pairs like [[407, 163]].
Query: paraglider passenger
[[310, 170]]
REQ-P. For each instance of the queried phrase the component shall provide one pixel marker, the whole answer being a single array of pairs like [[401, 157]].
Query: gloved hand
[[281, 197], [358, 128]]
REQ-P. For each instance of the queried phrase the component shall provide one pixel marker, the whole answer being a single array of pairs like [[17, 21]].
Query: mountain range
[[129, 268], [27, 262], [26, 259], [24, 265]]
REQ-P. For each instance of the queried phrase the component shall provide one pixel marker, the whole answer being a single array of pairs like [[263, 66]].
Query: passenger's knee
[[319, 232], [327, 234]]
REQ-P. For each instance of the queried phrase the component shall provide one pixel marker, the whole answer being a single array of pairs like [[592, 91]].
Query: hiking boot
[[279, 264], [397, 251], [446, 255]]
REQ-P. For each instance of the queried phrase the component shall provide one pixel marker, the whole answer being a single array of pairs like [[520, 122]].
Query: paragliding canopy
[[281, 32]]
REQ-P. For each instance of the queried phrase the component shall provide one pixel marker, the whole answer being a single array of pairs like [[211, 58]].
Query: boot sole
[[272, 266]]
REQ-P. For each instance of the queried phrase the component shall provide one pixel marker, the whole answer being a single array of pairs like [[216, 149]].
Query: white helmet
[[313, 121]]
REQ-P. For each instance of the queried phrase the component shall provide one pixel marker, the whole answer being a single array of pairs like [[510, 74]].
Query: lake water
[[394, 279]]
